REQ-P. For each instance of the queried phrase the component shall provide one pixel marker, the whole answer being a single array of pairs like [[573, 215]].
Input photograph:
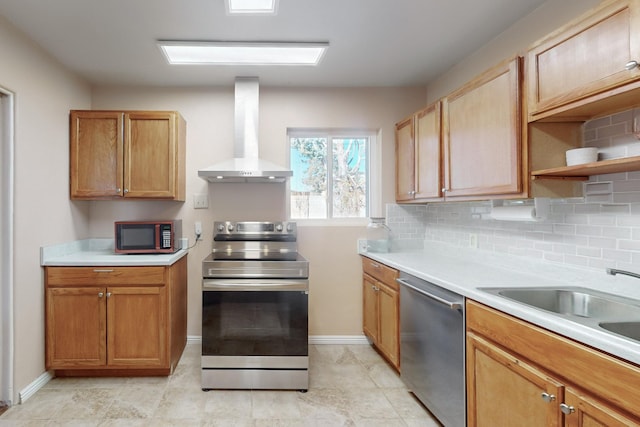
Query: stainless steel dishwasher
[[432, 336]]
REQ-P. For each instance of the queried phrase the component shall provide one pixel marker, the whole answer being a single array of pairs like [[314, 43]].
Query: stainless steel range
[[255, 292]]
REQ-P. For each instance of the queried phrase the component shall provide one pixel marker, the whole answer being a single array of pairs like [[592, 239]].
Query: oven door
[[262, 320]]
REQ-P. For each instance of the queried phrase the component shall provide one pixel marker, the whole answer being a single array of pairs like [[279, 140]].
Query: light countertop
[[99, 252], [465, 271]]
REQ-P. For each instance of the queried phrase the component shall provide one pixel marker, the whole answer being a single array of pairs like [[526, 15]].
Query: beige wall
[[331, 250], [44, 93], [551, 15]]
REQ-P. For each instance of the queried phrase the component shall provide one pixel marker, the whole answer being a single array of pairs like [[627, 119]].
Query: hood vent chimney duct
[[246, 166]]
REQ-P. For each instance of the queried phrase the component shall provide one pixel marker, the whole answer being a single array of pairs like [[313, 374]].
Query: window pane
[[309, 181], [349, 192]]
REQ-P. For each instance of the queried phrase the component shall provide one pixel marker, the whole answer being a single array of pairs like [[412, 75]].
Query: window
[[331, 174]]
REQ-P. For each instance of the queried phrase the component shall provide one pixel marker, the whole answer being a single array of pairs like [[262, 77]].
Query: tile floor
[[350, 385]]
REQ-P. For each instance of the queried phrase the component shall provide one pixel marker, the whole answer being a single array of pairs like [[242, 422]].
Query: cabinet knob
[[631, 65], [100, 294], [566, 409], [548, 397], [444, 190], [126, 191], [375, 288], [108, 294], [118, 190]]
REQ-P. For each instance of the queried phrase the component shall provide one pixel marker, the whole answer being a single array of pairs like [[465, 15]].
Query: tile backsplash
[[600, 229]]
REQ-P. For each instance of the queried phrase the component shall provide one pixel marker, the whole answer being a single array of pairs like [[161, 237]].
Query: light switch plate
[[200, 201]]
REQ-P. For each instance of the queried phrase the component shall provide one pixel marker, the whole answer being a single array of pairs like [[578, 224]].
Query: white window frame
[[373, 167]]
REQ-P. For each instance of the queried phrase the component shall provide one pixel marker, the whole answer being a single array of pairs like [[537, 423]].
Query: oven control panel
[[254, 230]]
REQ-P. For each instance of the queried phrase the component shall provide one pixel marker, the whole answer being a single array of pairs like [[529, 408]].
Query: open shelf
[[583, 172]]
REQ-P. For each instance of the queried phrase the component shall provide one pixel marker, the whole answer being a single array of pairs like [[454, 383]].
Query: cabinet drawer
[[82, 276], [381, 272]]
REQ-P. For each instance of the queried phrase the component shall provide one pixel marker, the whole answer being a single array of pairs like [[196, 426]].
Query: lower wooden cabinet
[[115, 320], [519, 374], [381, 309]]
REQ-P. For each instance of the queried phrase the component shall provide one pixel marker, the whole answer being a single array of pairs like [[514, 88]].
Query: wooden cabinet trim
[[381, 272], [83, 276]]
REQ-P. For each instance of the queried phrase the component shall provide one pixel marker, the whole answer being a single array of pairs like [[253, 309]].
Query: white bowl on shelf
[[579, 156]]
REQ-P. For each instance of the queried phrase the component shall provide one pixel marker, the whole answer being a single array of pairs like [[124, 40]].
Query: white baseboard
[[338, 339], [313, 339], [194, 339], [36, 385]]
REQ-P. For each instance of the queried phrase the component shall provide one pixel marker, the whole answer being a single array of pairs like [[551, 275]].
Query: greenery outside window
[[331, 174]]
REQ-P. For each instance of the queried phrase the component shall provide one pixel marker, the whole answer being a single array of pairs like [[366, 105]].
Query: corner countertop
[[99, 252], [466, 271]]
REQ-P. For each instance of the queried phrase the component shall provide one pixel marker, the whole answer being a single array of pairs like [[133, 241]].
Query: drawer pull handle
[[548, 397], [374, 265], [566, 409], [102, 271]]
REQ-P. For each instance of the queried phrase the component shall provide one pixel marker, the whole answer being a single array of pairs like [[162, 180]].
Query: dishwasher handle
[[453, 305]]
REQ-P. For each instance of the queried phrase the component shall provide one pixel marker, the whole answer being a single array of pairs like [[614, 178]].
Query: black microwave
[[148, 237]]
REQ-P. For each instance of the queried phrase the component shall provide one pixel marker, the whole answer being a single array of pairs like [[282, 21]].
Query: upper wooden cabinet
[[483, 138], [585, 67], [418, 156], [405, 160], [131, 154]]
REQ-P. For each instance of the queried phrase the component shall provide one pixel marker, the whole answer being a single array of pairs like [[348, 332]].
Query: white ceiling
[[372, 42]]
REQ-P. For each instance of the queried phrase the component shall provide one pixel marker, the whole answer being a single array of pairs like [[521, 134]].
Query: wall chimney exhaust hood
[[246, 165]]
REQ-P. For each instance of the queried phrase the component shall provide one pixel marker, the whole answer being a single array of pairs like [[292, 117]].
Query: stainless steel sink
[[576, 302], [627, 329], [589, 307]]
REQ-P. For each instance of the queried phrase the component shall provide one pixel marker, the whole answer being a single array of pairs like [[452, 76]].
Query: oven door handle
[[453, 305], [254, 285]]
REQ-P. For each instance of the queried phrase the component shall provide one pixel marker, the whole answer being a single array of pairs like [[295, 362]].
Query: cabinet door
[[137, 326], [585, 58], [389, 335], [505, 391], [482, 135], [96, 154], [405, 160], [428, 175], [370, 308], [75, 327], [583, 411], [150, 157]]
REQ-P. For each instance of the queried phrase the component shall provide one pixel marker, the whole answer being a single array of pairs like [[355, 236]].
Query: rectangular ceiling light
[[241, 53], [268, 7]]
